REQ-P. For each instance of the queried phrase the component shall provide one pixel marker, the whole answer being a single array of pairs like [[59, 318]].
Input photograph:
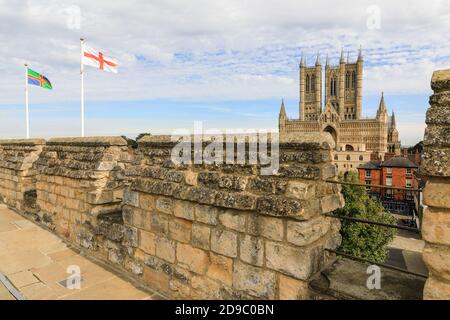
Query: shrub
[[360, 239]]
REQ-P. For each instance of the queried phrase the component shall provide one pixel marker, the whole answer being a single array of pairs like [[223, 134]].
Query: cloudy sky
[[227, 63]]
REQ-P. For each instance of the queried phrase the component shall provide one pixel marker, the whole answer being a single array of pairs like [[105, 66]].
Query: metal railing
[[416, 216]]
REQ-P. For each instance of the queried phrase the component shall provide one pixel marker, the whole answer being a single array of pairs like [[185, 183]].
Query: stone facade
[[436, 165], [17, 175], [341, 114], [198, 231]]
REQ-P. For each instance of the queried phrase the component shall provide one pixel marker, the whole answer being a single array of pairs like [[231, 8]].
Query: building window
[[361, 158], [313, 83], [353, 80], [368, 174], [408, 171], [389, 181], [348, 157], [347, 80], [409, 183], [389, 171], [389, 193], [308, 83], [368, 185], [336, 157]]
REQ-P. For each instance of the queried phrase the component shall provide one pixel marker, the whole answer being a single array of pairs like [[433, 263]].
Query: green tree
[[360, 239]]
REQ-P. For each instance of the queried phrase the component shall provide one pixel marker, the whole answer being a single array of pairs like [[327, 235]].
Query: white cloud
[[216, 50]]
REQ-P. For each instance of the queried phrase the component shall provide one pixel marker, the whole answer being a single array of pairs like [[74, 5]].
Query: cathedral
[[358, 140]]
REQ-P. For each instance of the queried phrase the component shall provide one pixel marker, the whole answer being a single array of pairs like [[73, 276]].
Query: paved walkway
[[36, 262]]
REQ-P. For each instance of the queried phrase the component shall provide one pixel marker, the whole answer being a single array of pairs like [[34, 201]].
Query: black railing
[[415, 216]]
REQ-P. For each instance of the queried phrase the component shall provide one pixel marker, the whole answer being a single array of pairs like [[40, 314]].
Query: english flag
[[94, 58]]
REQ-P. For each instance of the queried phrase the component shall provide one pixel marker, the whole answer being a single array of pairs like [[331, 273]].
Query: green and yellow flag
[[38, 79]]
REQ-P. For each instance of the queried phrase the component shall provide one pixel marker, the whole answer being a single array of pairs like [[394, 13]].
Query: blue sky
[[226, 63]]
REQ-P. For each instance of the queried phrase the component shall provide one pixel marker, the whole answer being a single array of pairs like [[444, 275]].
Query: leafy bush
[[361, 239]]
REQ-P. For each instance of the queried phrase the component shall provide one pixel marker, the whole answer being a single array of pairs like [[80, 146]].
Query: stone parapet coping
[[89, 141], [22, 142]]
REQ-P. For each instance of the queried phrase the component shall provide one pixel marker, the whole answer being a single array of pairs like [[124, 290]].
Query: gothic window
[[361, 158], [353, 79], [336, 157], [347, 80], [313, 83], [348, 157], [333, 87], [307, 83]]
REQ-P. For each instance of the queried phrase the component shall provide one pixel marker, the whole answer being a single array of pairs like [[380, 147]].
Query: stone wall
[[436, 165], [79, 181], [188, 231], [225, 231], [17, 175]]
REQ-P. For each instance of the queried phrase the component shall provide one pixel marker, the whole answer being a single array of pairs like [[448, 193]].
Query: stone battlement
[[187, 230]]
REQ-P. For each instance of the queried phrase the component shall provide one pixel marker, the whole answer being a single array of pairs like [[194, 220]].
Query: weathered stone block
[[306, 232], [233, 219], [146, 201], [293, 289], [252, 250], [435, 289], [436, 226], [254, 281], [224, 242], [180, 230], [201, 235], [436, 193], [206, 214], [164, 205], [331, 203], [147, 242], [156, 279], [437, 259], [160, 223], [131, 198], [165, 249], [268, 227], [300, 190], [184, 209], [279, 206], [300, 263], [193, 259], [221, 269]]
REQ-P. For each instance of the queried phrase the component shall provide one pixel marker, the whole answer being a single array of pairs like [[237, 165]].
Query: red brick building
[[395, 172]]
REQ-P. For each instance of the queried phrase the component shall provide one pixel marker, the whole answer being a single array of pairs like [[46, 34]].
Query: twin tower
[[343, 88]]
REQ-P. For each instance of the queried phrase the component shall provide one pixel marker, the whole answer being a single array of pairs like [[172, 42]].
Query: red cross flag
[[94, 58]]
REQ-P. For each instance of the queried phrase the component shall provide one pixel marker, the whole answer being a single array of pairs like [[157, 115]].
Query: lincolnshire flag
[[38, 79], [94, 58]]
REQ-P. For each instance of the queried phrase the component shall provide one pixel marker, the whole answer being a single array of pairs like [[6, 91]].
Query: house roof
[[399, 162], [374, 164]]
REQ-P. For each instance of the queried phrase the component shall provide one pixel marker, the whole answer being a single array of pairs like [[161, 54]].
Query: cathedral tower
[[310, 90], [343, 87]]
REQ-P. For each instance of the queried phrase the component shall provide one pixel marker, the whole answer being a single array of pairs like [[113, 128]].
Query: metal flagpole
[[27, 116], [82, 88]]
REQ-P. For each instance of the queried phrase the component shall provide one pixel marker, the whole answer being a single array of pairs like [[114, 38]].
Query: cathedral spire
[[382, 106], [318, 63], [348, 57], [282, 109], [342, 56], [360, 56], [302, 61], [393, 123], [327, 62]]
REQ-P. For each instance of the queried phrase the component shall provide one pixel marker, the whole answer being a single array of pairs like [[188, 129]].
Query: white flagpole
[[82, 88], [27, 116]]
